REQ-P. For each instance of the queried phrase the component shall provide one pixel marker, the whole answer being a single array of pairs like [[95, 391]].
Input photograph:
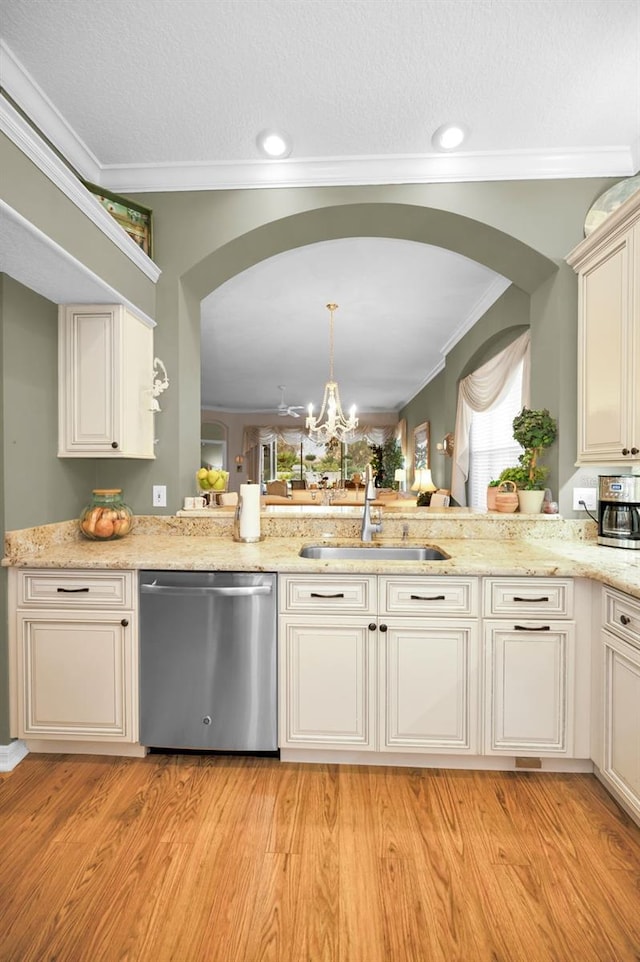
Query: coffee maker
[[619, 510]]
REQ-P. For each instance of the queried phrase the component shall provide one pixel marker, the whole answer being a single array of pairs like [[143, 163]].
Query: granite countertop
[[523, 550]]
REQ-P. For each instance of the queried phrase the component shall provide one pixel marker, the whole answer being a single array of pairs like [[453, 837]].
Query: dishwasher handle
[[235, 591]]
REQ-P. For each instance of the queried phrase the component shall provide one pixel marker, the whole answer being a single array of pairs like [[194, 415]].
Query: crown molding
[[26, 139], [497, 287], [371, 171], [24, 90]]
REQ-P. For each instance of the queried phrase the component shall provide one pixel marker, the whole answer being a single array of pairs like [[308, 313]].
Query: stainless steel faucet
[[369, 527]]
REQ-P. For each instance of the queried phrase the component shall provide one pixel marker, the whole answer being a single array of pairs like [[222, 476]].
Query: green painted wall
[[437, 402], [521, 229], [4, 650], [39, 486]]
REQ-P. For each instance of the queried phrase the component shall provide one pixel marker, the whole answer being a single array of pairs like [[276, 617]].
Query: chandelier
[[335, 424]]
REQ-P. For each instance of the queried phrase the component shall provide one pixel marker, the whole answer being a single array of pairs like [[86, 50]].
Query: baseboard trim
[[473, 763], [12, 754]]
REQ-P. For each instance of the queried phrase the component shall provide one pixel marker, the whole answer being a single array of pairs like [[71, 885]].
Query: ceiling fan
[[285, 409]]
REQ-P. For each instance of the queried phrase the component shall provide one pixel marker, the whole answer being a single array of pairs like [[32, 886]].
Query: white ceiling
[[170, 94]]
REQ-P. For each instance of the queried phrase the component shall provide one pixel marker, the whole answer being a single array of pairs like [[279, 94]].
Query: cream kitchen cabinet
[[620, 680], [400, 675], [429, 654], [73, 656], [327, 661], [105, 375], [608, 266], [535, 698]]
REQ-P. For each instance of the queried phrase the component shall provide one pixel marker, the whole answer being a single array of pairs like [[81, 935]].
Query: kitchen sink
[[372, 552]]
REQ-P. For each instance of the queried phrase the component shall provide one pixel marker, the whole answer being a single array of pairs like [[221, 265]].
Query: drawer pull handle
[[428, 597], [544, 598], [524, 628], [625, 620], [316, 594], [71, 591]]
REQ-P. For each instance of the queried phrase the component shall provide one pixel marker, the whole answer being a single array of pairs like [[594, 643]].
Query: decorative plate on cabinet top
[[609, 201]]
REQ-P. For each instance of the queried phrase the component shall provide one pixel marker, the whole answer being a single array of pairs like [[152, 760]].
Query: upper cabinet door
[[105, 374], [608, 265]]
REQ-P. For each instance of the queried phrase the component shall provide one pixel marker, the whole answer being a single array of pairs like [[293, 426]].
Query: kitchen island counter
[[541, 550]]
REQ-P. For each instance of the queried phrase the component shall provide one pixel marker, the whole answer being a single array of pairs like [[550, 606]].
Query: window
[[269, 455], [491, 444]]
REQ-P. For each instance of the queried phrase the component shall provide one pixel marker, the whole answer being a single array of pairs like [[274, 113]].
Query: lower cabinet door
[[75, 676], [621, 743], [529, 688], [327, 683], [430, 678]]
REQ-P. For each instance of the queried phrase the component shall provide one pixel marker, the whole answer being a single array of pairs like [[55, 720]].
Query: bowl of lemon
[[212, 482]]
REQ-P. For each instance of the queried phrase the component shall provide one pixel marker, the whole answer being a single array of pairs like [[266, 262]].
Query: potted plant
[[534, 431]]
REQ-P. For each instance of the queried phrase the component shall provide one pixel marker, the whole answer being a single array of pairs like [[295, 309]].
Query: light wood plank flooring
[[202, 859]]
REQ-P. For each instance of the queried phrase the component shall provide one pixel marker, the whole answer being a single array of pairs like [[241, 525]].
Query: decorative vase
[[530, 502], [491, 497], [507, 497]]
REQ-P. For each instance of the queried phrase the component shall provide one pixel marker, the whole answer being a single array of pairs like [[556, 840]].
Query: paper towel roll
[[250, 512]]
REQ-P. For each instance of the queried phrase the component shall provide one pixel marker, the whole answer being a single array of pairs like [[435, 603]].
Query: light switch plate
[[159, 495]]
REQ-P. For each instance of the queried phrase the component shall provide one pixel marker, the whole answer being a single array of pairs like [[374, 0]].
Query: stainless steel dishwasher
[[208, 677]]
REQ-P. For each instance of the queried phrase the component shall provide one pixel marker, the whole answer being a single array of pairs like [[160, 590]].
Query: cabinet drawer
[[330, 593], [518, 597], [428, 596], [621, 614], [75, 589]]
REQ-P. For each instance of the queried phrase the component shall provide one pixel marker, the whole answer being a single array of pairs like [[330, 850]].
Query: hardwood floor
[[202, 859]]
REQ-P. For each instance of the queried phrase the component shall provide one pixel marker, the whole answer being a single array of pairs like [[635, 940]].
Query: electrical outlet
[[588, 495], [159, 495]]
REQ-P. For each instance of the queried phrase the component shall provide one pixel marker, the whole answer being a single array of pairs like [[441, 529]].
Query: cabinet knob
[[124, 622], [625, 619], [383, 628], [625, 451], [114, 444], [372, 626], [635, 451]]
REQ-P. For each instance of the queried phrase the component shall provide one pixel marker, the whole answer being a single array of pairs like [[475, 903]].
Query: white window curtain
[[492, 446], [253, 436], [480, 391]]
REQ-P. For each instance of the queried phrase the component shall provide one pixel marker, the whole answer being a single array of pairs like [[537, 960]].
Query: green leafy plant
[[534, 431]]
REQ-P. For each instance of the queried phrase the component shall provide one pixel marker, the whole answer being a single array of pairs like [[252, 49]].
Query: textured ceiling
[[192, 81], [170, 94]]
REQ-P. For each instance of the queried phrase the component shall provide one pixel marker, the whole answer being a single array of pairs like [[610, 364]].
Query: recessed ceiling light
[[274, 143], [449, 136]]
